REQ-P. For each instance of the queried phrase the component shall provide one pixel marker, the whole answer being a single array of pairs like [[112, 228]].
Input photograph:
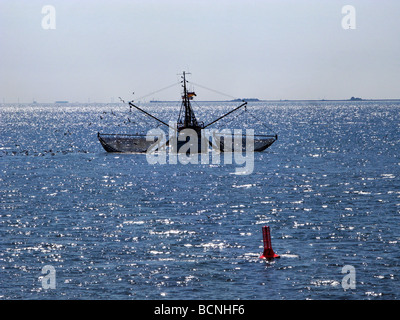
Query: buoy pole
[[268, 252]]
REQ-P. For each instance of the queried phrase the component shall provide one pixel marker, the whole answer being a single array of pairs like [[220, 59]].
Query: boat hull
[[124, 143]]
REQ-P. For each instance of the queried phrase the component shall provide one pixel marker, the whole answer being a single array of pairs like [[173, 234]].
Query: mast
[[189, 120], [186, 101]]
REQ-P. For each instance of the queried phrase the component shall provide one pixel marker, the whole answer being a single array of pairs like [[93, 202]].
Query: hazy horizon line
[[255, 100]]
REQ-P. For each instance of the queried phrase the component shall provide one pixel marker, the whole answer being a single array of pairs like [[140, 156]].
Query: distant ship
[[136, 143], [248, 100]]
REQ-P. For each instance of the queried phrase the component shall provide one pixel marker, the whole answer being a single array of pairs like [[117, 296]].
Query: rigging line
[[211, 123], [127, 121], [197, 105], [151, 116], [265, 126], [120, 117], [219, 92], [235, 117], [145, 117], [170, 86]]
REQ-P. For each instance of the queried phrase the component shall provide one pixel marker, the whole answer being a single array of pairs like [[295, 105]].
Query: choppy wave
[[114, 226]]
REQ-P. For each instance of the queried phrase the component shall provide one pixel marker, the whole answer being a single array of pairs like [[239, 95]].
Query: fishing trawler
[[186, 127]]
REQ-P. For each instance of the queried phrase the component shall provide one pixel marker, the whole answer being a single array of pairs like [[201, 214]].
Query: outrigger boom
[[145, 112], [211, 123]]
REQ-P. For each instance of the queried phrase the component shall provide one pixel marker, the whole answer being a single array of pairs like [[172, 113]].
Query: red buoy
[[268, 252]]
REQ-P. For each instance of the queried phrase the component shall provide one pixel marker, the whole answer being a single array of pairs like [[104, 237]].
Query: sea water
[[113, 226]]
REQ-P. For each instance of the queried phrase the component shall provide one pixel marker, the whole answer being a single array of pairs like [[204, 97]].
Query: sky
[[100, 50]]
